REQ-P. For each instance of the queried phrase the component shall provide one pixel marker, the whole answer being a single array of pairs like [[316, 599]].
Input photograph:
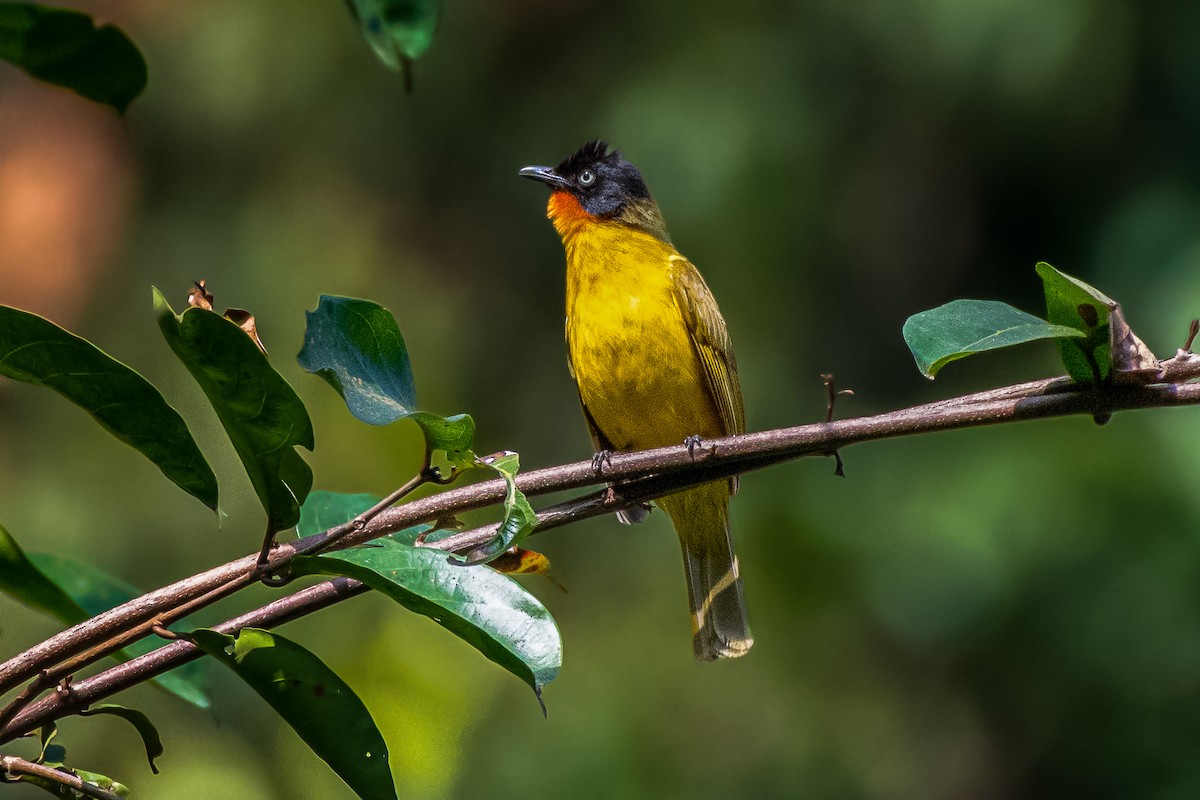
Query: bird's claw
[[692, 442], [600, 460]]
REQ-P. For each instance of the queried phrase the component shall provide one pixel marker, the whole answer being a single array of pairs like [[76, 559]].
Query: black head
[[603, 182]]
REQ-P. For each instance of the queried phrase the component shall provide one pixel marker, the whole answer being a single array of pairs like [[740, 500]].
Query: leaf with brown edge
[[1132, 360]]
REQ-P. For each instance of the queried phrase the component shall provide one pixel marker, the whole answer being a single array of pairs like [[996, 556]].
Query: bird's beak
[[545, 175]]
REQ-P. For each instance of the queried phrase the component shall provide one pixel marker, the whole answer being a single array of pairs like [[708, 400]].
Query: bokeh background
[[1001, 613]]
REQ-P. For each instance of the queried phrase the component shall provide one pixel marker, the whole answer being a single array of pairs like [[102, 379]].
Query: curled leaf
[[356, 347], [519, 518]]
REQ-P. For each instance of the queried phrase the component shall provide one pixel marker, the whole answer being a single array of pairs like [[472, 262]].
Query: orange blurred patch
[[66, 181]]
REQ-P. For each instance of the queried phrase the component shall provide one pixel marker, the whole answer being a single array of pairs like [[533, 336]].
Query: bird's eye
[[587, 178]]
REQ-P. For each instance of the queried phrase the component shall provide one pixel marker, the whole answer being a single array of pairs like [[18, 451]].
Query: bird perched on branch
[[653, 363]]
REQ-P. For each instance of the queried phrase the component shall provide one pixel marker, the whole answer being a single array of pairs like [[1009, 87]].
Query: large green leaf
[[313, 700], [92, 591], [261, 413], [35, 350], [965, 327], [491, 612], [65, 48], [1071, 302], [139, 721], [357, 347]]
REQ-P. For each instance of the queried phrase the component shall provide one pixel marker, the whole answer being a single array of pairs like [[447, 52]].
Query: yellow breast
[[631, 352]]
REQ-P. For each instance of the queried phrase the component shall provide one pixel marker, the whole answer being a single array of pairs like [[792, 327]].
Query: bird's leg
[[692, 442], [600, 460]]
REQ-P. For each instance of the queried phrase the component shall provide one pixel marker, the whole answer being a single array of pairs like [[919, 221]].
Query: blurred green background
[[996, 613]]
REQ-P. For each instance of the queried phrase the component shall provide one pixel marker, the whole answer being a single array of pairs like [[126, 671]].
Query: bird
[[652, 360]]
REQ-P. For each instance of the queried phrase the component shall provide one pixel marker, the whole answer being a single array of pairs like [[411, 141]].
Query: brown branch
[[640, 476], [12, 765]]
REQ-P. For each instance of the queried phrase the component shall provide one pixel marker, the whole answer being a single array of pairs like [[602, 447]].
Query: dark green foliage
[[36, 351], [65, 48], [261, 413], [313, 700]]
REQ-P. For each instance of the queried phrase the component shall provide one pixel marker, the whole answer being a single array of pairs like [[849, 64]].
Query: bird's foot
[[601, 460], [692, 442]]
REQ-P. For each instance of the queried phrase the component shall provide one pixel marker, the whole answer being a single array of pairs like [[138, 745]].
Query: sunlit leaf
[[965, 327], [36, 351], [67, 793], [519, 518], [491, 612], [357, 348], [313, 700], [139, 721], [103, 781], [1071, 302], [260, 412], [65, 48]]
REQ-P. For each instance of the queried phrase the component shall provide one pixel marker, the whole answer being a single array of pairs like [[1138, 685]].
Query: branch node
[[64, 688]]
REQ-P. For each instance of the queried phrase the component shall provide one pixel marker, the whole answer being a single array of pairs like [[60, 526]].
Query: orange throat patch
[[567, 214]]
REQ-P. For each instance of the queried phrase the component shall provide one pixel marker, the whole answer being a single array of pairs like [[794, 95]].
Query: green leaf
[[357, 348], [20, 579], [65, 792], [1071, 302], [324, 510], [313, 700], [139, 721], [399, 31], [261, 413], [95, 591], [519, 517], [103, 781], [72, 591], [65, 48], [36, 351], [964, 327], [488, 610]]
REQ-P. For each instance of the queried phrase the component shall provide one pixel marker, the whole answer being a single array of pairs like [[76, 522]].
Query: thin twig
[[12, 765]]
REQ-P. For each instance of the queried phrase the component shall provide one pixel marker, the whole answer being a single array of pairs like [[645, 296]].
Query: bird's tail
[[701, 517]]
